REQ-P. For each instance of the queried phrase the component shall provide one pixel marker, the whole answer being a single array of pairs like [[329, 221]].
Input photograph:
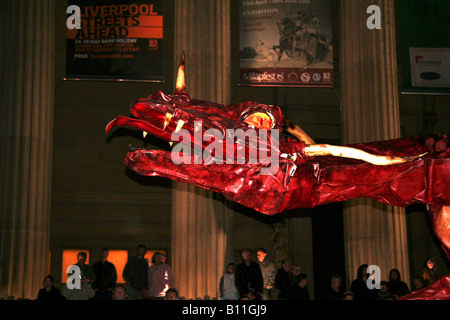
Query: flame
[[181, 82]]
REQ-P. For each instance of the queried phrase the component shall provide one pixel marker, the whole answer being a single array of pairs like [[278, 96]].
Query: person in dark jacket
[[283, 279], [248, 275], [106, 277], [396, 286], [299, 291], [49, 291], [135, 274], [337, 288], [359, 285]]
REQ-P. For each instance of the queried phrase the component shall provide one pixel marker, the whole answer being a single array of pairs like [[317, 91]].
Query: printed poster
[[424, 46], [118, 39], [286, 43], [430, 67]]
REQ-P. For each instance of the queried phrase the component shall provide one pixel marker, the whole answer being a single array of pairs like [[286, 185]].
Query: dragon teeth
[[179, 125], [144, 133], [197, 126], [167, 120]]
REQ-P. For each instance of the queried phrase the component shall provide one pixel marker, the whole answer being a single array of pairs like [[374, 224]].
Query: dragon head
[[232, 146], [171, 117], [248, 152]]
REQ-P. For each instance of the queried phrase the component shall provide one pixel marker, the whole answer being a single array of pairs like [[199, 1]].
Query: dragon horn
[[181, 83], [352, 153], [291, 127]]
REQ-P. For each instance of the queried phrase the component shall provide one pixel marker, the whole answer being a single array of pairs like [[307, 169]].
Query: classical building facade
[[64, 186]]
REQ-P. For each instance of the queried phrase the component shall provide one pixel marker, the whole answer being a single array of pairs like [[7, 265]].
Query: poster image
[[286, 43], [117, 40]]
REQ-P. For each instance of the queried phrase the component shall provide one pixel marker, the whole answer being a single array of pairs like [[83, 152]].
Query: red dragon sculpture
[[298, 173]]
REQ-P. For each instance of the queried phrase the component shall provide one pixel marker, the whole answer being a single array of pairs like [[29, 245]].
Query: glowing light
[[260, 120], [181, 82], [163, 293], [119, 258]]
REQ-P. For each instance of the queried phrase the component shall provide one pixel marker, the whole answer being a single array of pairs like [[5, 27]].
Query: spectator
[[120, 292], [384, 293], [160, 278], [429, 272], [359, 285], [268, 273], [417, 282], [135, 274], [247, 295], [396, 286], [87, 276], [227, 286], [299, 291], [348, 295], [295, 271], [248, 275], [105, 277], [283, 280], [171, 294], [49, 291], [336, 287]]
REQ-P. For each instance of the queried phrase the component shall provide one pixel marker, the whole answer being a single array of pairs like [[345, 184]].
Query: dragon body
[[279, 167]]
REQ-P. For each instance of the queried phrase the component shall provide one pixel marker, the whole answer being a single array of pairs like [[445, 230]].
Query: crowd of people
[[248, 280], [260, 279], [144, 280]]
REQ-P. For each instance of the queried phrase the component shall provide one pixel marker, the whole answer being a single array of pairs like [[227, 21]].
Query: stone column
[[374, 233], [301, 244], [201, 220], [26, 128]]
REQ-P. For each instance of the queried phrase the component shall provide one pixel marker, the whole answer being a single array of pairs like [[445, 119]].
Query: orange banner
[[115, 32], [115, 39]]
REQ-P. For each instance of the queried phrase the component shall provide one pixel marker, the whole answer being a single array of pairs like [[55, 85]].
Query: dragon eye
[[260, 120]]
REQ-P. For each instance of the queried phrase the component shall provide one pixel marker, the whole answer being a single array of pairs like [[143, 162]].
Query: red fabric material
[[316, 181], [440, 290]]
